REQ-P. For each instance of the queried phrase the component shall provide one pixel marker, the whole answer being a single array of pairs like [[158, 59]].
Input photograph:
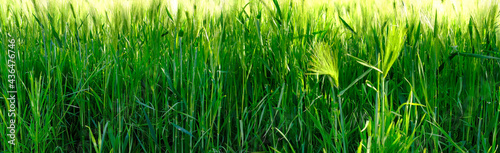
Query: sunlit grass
[[325, 61], [253, 75]]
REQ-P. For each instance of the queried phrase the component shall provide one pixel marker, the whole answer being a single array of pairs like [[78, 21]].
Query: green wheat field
[[251, 76]]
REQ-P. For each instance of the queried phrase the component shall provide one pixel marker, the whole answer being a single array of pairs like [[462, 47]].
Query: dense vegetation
[[252, 76]]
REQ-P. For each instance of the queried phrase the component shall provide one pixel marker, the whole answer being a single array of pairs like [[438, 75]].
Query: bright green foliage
[[394, 45], [235, 75], [325, 61]]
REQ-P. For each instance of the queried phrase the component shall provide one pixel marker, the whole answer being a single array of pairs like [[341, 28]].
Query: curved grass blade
[[478, 56], [277, 8], [150, 126], [354, 82], [182, 129], [347, 25], [364, 63]]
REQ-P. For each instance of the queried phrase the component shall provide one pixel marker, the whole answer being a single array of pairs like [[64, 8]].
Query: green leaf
[[478, 56], [277, 5], [364, 63], [182, 129], [347, 25], [151, 128], [354, 82], [94, 142]]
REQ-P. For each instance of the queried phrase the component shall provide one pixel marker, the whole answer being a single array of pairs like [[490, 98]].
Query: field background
[[252, 76]]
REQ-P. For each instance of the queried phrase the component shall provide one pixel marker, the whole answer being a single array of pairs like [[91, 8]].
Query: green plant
[[251, 76]]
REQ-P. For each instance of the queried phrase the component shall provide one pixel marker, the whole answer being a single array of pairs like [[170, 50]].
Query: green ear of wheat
[[325, 61], [395, 41]]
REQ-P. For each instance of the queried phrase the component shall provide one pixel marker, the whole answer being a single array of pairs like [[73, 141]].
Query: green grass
[[252, 76]]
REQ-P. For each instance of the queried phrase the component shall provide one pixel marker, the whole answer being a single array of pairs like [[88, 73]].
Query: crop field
[[254, 76]]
